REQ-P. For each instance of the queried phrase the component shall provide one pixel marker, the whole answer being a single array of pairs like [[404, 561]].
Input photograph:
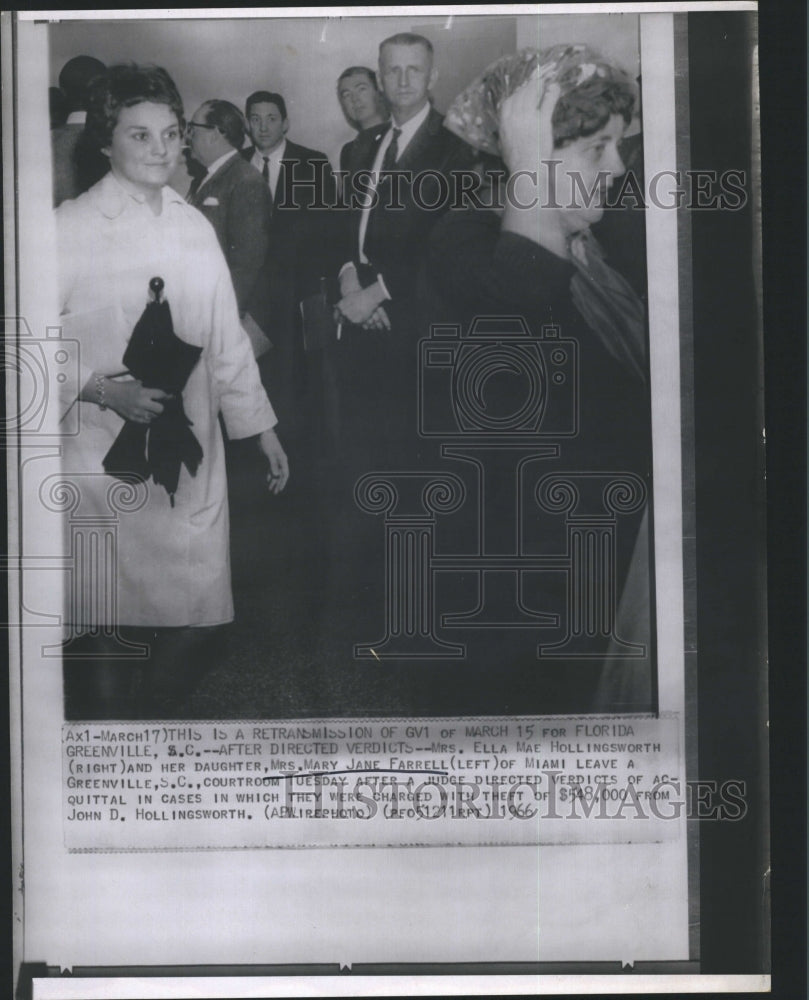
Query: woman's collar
[[115, 195]]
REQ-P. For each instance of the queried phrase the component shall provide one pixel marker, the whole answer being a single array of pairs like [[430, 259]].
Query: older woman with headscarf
[[556, 119], [125, 240]]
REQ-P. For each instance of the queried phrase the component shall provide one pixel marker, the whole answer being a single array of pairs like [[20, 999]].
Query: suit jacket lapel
[[292, 155], [367, 153], [412, 155]]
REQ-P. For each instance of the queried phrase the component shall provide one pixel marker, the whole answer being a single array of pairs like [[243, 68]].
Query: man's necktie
[[392, 152]]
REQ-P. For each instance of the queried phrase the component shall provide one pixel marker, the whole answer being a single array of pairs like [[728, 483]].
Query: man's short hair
[[123, 87], [75, 78], [408, 38], [359, 71], [228, 119], [265, 97]]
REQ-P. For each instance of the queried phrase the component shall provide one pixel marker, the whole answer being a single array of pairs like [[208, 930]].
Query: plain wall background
[[302, 57]]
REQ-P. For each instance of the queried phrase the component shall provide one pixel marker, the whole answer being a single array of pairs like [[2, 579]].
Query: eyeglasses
[[190, 126]]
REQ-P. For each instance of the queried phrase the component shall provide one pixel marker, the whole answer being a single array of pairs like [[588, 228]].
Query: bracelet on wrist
[[101, 397]]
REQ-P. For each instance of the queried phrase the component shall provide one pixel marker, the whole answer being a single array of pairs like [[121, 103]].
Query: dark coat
[[302, 221], [597, 419], [77, 164], [236, 201], [303, 251], [475, 270], [350, 151], [396, 238]]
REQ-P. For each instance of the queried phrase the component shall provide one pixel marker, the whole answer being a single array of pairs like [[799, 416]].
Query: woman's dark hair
[[123, 87], [588, 108], [584, 108]]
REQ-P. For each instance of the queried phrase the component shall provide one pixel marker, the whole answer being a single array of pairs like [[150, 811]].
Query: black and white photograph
[[379, 380], [467, 444]]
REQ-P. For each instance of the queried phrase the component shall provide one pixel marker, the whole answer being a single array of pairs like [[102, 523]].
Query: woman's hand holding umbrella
[[134, 401], [156, 439]]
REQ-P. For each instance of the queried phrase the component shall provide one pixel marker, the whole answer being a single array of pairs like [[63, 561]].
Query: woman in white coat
[[171, 564]]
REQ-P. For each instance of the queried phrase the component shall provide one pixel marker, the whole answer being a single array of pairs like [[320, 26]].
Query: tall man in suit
[[410, 167], [235, 200], [303, 191]]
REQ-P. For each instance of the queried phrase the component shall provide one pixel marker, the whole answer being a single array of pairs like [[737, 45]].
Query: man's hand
[[278, 474], [378, 320], [359, 307], [349, 282]]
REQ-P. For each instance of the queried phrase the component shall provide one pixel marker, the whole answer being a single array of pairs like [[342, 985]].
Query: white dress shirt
[[408, 130], [273, 162], [406, 133]]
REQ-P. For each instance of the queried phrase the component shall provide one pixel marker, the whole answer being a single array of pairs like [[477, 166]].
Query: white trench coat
[[172, 565]]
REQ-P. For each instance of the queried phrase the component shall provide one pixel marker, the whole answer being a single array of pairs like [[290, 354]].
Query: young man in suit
[[235, 201], [303, 241]]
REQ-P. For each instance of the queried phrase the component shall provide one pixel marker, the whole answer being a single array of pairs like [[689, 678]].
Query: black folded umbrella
[[160, 360]]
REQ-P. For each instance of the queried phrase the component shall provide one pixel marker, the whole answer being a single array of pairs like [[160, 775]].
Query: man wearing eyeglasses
[[235, 200]]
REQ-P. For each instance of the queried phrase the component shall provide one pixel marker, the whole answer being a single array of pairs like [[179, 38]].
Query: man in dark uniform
[[364, 107]]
